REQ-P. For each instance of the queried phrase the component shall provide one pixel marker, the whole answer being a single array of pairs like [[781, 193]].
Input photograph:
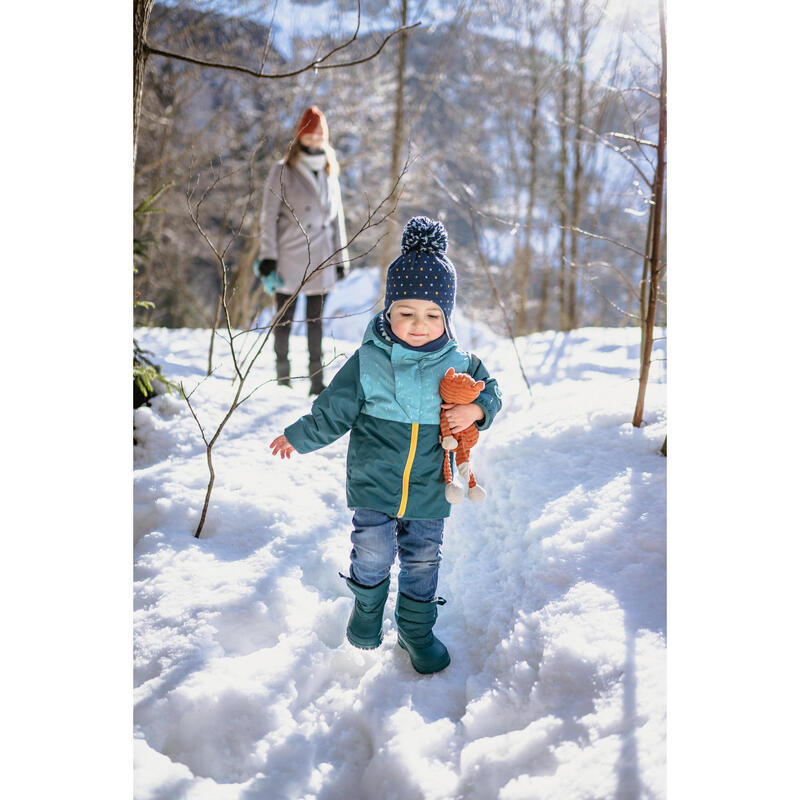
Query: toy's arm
[[449, 441], [489, 400]]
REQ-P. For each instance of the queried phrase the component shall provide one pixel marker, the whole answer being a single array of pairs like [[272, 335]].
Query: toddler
[[387, 396]]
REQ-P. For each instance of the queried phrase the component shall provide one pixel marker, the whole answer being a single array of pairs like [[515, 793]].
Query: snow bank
[[555, 620]]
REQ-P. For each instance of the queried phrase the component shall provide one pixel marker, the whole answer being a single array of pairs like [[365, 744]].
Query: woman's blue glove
[[266, 266], [266, 269]]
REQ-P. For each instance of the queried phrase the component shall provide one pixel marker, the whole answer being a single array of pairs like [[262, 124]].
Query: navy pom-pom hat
[[423, 271]]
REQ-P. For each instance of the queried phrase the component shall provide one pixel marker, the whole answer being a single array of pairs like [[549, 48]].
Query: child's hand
[[460, 417], [281, 445]]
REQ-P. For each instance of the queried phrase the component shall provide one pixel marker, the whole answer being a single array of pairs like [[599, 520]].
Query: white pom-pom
[[476, 493], [425, 236], [453, 494]]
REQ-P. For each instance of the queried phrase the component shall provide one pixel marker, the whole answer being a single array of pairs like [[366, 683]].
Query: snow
[[733, 552], [244, 683]]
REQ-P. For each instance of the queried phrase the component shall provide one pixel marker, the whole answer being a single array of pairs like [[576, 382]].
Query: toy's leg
[[462, 460], [475, 492], [452, 492]]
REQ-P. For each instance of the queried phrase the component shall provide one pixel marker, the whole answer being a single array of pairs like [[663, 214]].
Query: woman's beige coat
[[302, 227]]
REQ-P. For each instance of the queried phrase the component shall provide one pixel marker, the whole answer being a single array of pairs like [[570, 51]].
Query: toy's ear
[[450, 373], [480, 386]]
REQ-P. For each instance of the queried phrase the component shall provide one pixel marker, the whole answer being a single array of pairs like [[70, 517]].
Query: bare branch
[[498, 300], [272, 380], [265, 51], [243, 366], [464, 203], [315, 65], [460, 21], [187, 397], [612, 303], [618, 150], [625, 279], [632, 139], [605, 239]]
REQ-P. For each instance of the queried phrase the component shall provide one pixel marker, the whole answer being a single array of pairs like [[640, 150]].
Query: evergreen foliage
[[145, 372]]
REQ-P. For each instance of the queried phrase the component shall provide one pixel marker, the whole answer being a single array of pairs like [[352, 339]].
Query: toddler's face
[[416, 322]]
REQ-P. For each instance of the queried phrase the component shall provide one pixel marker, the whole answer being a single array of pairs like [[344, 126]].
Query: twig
[[315, 65], [604, 238], [243, 368], [499, 301], [632, 138], [612, 303]]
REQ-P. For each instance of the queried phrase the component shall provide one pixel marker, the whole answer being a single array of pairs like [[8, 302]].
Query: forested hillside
[[528, 129]]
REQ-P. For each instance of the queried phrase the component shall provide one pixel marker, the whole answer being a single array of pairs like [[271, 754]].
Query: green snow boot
[[365, 626], [415, 621]]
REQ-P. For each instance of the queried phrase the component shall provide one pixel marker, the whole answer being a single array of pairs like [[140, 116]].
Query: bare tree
[[653, 250], [578, 189], [141, 19], [245, 359], [462, 200], [389, 248], [503, 153], [143, 49], [524, 267], [563, 32]]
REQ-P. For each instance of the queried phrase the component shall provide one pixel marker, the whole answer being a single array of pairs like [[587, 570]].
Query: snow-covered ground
[[245, 686]]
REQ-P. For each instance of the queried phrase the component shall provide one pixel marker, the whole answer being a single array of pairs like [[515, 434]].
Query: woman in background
[[303, 237]]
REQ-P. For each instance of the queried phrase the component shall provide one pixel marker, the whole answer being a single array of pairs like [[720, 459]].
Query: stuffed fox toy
[[462, 388]]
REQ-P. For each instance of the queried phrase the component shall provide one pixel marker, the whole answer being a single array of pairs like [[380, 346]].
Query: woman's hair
[[294, 153]]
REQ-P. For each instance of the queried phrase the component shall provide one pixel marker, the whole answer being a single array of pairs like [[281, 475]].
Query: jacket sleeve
[[490, 398], [332, 413], [270, 209]]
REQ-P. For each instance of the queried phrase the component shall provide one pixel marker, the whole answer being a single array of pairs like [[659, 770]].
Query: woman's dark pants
[[314, 305]]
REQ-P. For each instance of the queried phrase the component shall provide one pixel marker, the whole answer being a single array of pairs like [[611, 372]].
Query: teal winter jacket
[[387, 396]]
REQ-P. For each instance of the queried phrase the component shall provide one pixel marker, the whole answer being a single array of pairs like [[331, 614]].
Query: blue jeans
[[377, 538]]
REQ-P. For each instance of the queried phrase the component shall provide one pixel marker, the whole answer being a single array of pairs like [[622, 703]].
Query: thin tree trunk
[[497, 297], [214, 324], [141, 19], [514, 282], [562, 170], [648, 249], [544, 296], [390, 249], [244, 299], [526, 267], [577, 172], [658, 200]]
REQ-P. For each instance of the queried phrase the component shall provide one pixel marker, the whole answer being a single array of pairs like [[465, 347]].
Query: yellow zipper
[[412, 449]]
